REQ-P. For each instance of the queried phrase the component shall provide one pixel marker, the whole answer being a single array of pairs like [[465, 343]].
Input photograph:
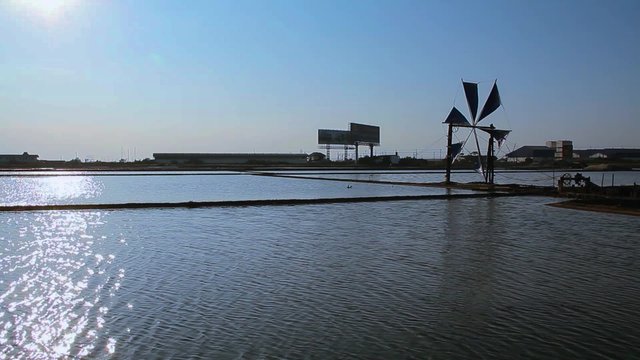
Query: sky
[[105, 79]]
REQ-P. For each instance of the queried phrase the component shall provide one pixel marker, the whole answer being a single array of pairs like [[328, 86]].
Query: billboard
[[334, 137], [365, 134]]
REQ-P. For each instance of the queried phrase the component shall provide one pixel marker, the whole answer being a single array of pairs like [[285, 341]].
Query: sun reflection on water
[[48, 190], [54, 286]]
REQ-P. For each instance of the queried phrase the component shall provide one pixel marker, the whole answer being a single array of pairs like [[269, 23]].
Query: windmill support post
[[490, 173], [449, 156]]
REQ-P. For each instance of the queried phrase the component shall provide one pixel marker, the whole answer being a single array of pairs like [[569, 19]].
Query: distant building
[[25, 158], [612, 154], [535, 153], [229, 158], [563, 149]]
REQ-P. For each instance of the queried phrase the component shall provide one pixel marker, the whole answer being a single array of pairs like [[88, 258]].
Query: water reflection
[[472, 231], [54, 284], [473, 278], [539, 178], [168, 188], [48, 190]]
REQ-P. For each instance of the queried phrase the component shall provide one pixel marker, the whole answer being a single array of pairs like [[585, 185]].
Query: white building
[[563, 149]]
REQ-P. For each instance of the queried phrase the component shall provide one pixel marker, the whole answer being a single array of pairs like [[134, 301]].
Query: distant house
[[229, 158], [25, 158], [535, 153], [609, 153]]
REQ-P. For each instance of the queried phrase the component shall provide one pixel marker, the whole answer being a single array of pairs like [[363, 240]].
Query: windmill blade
[[465, 141], [493, 102], [497, 134], [478, 169], [456, 118], [471, 93], [500, 136], [455, 150]]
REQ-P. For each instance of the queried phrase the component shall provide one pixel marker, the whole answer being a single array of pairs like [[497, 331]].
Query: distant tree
[[75, 162]]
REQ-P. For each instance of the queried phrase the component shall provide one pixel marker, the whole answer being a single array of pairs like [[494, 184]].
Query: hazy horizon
[[102, 80]]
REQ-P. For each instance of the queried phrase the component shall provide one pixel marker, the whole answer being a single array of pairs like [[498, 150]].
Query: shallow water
[[123, 188], [467, 278], [539, 178]]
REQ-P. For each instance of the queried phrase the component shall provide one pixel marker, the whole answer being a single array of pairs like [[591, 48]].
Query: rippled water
[[56, 284], [467, 278], [124, 188], [540, 178]]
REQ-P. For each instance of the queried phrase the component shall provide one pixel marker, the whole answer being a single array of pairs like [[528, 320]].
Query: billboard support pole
[[447, 177], [371, 150], [328, 152]]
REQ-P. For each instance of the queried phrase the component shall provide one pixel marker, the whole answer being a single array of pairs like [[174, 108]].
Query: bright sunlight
[[48, 10]]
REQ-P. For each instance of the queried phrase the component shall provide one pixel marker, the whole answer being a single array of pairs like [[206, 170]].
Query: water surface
[[539, 178], [470, 278], [123, 188]]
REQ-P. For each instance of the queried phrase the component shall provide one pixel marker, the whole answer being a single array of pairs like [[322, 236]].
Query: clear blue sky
[[98, 77]]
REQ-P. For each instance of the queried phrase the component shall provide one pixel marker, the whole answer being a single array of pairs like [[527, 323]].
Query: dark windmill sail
[[455, 118], [458, 120], [492, 104], [471, 93], [498, 135], [456, 149]]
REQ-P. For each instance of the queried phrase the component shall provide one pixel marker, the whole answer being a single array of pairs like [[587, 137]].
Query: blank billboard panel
[[334, 137], [365, 134]]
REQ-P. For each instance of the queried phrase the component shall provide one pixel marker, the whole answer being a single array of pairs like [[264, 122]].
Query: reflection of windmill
[[458, 120]]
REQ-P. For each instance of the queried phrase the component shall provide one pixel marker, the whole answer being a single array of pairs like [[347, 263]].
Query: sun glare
[[48, 10]]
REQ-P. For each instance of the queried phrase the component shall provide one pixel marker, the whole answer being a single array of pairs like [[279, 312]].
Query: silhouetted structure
[[358, 134], [458, 120], [25, 158], [563, 149], [229, 158], [531, 153], [609, 153]]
